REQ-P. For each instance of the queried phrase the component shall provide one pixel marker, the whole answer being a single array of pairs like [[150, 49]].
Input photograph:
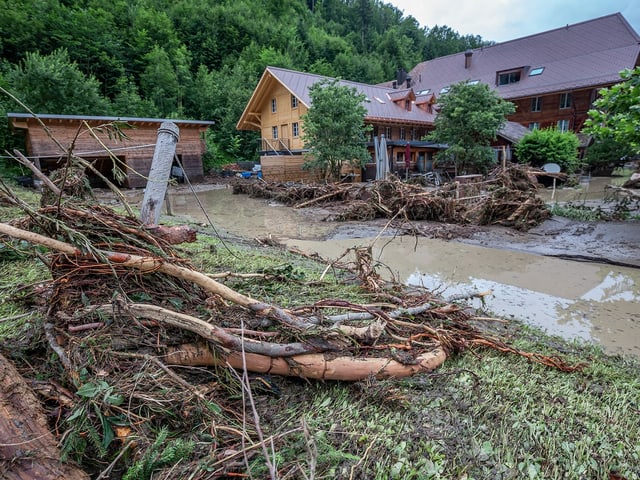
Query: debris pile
[[124, 310], [507, 198]]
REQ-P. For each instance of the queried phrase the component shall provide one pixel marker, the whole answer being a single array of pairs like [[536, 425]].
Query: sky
[[502, 20]]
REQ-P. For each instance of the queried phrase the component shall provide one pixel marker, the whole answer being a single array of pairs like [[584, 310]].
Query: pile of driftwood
[[123, 309], [506, 198]]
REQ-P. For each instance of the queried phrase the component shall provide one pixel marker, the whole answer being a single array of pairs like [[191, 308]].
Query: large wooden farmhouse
[[282, 98], [552, 77], [88, 138]]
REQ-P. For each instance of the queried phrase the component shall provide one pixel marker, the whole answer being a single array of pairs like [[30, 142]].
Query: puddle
[[594, 302]]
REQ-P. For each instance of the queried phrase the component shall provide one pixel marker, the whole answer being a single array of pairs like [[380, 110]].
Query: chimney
[[395, 84], [401, 76], [408, 81], [467, 58]]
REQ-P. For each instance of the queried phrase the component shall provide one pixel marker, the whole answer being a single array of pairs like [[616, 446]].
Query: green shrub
[[549, 146]]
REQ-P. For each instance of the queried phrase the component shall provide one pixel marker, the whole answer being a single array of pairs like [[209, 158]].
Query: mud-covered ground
[[607, 242], [614, 242]]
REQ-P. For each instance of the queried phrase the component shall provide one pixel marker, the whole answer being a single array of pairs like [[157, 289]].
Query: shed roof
[[583, 55], [109, 119]]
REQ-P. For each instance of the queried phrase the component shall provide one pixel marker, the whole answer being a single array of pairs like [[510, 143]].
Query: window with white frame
[[387, 132], [294, 101], [274, 105], [295, 128], [274, 133], [534, 126], [563, 125], [536, 104], [402, 134], [565, 100]]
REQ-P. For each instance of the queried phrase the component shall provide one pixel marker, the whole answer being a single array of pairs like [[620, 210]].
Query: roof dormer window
[[536, 71], [509, 77]]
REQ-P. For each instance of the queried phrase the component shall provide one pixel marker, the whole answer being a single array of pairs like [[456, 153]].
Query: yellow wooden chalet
[[281, 98]]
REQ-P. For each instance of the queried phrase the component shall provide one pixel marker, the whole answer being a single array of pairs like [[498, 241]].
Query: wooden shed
[[90, 138]]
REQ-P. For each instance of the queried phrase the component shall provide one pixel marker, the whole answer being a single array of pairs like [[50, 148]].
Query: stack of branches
[[507, 198]]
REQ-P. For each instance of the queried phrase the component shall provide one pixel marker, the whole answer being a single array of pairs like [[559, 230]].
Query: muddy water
[[589, 189], [575, 300]]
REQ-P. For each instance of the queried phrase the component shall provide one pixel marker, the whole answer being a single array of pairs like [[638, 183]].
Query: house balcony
[[275, 146]]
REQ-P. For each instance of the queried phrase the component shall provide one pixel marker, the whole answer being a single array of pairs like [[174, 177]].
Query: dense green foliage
[[198, 59], [335, 131], [607, 154], [469, 119], [549, 145], [616, 113]]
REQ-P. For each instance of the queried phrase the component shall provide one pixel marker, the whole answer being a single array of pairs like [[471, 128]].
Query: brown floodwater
[[575, 300]]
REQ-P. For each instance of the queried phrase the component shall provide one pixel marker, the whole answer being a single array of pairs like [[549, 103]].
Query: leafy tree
[[443, 40], [334, 128], [469, 119], [616, 113], [55, 84], [549, 145], [607, 153]]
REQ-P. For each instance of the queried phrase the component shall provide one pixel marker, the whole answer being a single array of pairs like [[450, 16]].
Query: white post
[[154, 194]]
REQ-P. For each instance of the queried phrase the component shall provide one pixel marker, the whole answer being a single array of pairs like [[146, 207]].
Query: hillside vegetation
[[197, 59]]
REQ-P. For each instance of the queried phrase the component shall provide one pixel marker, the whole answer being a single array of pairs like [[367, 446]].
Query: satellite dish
[[551, 168]]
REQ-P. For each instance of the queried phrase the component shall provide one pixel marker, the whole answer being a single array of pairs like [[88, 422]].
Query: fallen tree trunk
[[157, 264], [28, 450], [313, 366]]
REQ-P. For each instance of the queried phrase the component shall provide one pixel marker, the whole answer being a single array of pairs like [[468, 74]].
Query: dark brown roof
[[583, 55]]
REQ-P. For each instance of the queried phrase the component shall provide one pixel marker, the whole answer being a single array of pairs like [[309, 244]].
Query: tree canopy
[[198, 59], [616, 113], [469, 118], [334, 128]]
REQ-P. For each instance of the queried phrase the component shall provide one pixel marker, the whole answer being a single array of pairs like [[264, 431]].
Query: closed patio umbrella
[[382, 164]]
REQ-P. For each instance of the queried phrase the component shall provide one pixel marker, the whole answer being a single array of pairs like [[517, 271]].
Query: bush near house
[[549, 146]]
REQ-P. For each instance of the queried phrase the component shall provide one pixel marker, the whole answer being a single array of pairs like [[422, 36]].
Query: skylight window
[[424, 92], [473, 82], [445, 89], [536, 71], [379, 100]]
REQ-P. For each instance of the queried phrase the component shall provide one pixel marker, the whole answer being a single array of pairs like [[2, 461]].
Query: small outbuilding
[[129, 146]]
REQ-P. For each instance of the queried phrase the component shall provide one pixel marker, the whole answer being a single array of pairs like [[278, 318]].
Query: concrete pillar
[[154, 194]]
